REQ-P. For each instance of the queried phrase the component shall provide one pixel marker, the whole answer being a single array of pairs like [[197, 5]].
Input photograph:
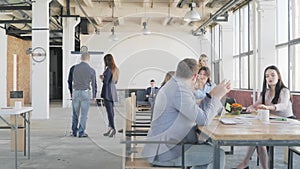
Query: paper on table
[[231, 121]]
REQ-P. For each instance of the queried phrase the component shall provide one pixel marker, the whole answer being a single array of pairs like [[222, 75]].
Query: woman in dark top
[[109, 92]]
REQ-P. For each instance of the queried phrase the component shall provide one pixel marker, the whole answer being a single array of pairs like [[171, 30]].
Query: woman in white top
[[276, 97]]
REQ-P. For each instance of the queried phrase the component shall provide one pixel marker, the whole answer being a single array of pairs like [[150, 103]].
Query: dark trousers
[[109, 105]]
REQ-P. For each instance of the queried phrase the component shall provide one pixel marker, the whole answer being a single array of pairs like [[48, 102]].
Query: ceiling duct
[[221, 11]]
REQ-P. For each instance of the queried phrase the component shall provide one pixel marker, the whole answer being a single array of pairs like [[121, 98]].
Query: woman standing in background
[[109, 92]]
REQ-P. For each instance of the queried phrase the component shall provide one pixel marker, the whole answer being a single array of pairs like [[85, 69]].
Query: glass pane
[[282, 62], [236, 33], [236, 72], [295, 64], [251, 26], [217, 41], [244, 72], [213, 44], [251, 72], [244, 29], [282, 21], [295, 19]]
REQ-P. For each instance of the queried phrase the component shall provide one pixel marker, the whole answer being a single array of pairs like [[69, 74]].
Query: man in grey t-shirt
[[84, 77]]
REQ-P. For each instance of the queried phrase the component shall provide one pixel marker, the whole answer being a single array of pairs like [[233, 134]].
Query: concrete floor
[[53, 148]]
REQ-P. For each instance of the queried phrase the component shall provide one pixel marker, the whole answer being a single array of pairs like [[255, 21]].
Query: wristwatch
[[208, 95]]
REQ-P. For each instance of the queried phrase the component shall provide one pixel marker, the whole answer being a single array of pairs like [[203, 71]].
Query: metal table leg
[[16, 141], [271, 160], [28, 123]]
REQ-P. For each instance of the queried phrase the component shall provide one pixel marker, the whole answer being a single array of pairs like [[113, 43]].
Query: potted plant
[[236, 108]]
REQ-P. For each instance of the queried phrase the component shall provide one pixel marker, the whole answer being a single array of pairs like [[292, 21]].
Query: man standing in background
[[84, 77]]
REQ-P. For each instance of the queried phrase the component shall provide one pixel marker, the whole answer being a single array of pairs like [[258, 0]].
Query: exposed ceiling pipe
[[87, 17], [22, 13], [215, 15], [68, 7]]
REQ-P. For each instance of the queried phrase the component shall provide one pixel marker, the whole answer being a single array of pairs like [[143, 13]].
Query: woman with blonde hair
[[203, 61], [109, 92]]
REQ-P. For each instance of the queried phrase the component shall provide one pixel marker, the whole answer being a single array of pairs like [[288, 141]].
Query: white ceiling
[[125, 15]]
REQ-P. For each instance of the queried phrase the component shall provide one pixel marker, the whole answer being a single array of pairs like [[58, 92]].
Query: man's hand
[[221, 89]]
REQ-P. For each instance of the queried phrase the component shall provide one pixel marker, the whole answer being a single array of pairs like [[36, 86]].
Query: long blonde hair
[[109, 62], [202, 56]]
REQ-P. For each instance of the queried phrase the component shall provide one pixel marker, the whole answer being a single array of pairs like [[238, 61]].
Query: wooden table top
[[253, 129]]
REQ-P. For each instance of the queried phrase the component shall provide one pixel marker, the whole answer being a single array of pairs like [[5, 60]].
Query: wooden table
[[25, 113], [251, 132]]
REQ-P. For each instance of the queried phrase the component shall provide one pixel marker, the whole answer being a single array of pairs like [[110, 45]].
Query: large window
[[295, 19], [282, 21], [282, 55], [242, 73], [295, 64], [288, 42]]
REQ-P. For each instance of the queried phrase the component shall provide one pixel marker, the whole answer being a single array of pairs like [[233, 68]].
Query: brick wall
[[18, 46], [241, 96]]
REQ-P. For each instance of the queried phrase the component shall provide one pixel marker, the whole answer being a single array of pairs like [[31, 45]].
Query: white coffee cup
[[263, 115], [18, 105]]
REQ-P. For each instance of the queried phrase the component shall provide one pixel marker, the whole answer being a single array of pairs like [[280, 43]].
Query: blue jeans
[[197, 156], [81, 105]]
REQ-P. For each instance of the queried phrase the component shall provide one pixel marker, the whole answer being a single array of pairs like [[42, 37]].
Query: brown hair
[[278, 87], [109, 62], [207, 72], [168, 76]]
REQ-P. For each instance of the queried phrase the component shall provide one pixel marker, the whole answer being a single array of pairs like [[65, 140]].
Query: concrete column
[[266, 19], [3, 68], [227, 49], [69, 24], [40, 70]]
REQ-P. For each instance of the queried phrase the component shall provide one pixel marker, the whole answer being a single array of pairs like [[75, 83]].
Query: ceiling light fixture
[[113, 36], [145, 30], [192, 15]]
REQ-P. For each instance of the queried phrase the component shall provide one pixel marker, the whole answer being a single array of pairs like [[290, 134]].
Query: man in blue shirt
[[175, 116]]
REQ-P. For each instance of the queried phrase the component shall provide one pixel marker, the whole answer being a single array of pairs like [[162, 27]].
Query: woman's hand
[[270, 107], [101, 77], [262, 106], [221, 89]]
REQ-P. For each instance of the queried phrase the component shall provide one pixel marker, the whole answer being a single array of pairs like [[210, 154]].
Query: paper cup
[[264, 115]]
